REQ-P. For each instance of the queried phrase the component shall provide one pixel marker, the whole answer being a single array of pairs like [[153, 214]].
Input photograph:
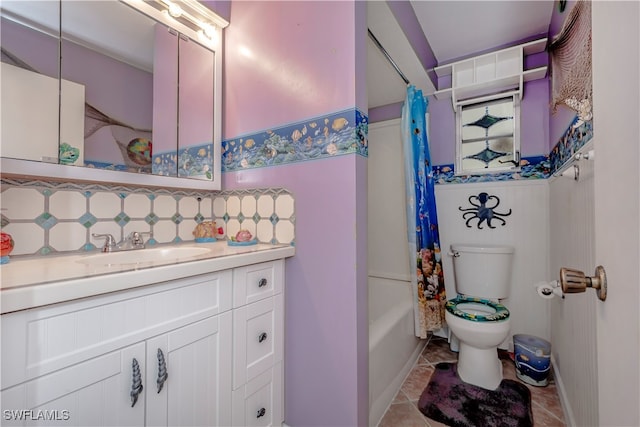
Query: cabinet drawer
[[260, 401], [258, 338], [257, 281]]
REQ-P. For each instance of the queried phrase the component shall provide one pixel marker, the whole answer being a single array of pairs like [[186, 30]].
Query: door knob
[[575, 281]]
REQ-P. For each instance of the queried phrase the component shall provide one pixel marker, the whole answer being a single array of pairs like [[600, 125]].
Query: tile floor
[[404, 412]]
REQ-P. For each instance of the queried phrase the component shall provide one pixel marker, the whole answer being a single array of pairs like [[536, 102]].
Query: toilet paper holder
[[575, 281]]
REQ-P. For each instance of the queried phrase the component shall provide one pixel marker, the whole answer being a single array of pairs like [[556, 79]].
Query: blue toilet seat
[[500, 311]]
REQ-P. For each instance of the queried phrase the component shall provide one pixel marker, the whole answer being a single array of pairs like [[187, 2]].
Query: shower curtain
[[422, 221]]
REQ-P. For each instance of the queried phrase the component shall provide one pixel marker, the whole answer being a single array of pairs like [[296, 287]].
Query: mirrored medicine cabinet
[[116, 91]]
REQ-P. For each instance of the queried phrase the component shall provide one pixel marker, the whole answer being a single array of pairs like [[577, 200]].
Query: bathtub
[[393, 346]]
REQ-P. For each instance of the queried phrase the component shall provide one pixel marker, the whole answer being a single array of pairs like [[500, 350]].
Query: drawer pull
[[162, 371], [262, 337], [262, 283], [136, 386], [261, 412]]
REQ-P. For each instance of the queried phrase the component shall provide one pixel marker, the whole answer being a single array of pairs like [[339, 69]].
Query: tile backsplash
[[47, 218]]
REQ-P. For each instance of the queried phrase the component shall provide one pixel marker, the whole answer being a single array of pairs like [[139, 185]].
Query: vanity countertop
[[36, 281]]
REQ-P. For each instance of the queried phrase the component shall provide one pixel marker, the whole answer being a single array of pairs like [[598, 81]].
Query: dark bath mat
[[450, 401]]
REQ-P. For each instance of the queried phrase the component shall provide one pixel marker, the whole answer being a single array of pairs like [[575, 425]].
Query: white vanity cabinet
[[88, 360], [175, 347], [94, 392], [192, 389], [258, 345]]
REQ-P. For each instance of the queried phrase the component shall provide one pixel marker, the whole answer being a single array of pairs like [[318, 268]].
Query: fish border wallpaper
[[535, 167], [575, 137], [344, 132], [193, 162]]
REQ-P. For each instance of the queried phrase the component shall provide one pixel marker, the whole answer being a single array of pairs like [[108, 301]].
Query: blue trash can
[[532, 358]]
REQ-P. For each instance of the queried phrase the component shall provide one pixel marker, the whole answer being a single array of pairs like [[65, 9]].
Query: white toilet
[[475, 316]]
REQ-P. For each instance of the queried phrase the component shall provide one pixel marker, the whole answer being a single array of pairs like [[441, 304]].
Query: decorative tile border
[[53, 185], [537, 167], [344, 132], [165, 164], [107, 166], [576, 135], [47, 217], [196, 161], [193, 162]]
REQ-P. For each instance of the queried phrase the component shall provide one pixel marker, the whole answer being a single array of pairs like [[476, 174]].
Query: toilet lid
[[500, 312]]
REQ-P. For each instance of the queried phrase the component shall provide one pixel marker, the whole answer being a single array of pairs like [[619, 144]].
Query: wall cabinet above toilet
[[470, 80]]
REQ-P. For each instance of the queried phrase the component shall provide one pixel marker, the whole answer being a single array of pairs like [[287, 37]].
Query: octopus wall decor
[[482, 211]]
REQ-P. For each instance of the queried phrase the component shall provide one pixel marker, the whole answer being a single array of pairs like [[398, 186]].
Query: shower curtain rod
[[386, 54]]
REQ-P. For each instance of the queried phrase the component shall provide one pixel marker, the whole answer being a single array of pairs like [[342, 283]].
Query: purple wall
[[196, 73], [385, 112], [102, 77], [165, 95], [325, 309], [287, 61], [360, 230], [534, 119], [130, 103], [221, 7], [442, 131], [38, 50]]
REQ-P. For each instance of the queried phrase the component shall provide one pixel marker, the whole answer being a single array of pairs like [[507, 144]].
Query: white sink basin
[[155, 255]]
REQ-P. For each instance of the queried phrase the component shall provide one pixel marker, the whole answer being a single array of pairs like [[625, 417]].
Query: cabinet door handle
[[162, 371], [261, 412], [136, 385], [262, 283], [262, 337]]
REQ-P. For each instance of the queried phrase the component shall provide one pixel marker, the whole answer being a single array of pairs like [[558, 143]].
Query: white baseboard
[[380, 406], [562, 393]]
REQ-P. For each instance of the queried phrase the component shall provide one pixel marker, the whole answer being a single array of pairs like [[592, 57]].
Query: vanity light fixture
[[208, 30], [175, 10], [202, 35], [195, 14]]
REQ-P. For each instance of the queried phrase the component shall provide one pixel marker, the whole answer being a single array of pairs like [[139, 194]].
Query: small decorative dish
[[205, 239], [206, 232], [6, 246], [246, 243]]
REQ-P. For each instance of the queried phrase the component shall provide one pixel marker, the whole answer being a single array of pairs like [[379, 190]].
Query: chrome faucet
[[132, 242], [109, 242]]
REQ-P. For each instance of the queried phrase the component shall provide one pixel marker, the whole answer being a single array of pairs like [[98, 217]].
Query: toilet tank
[[483, 271]]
